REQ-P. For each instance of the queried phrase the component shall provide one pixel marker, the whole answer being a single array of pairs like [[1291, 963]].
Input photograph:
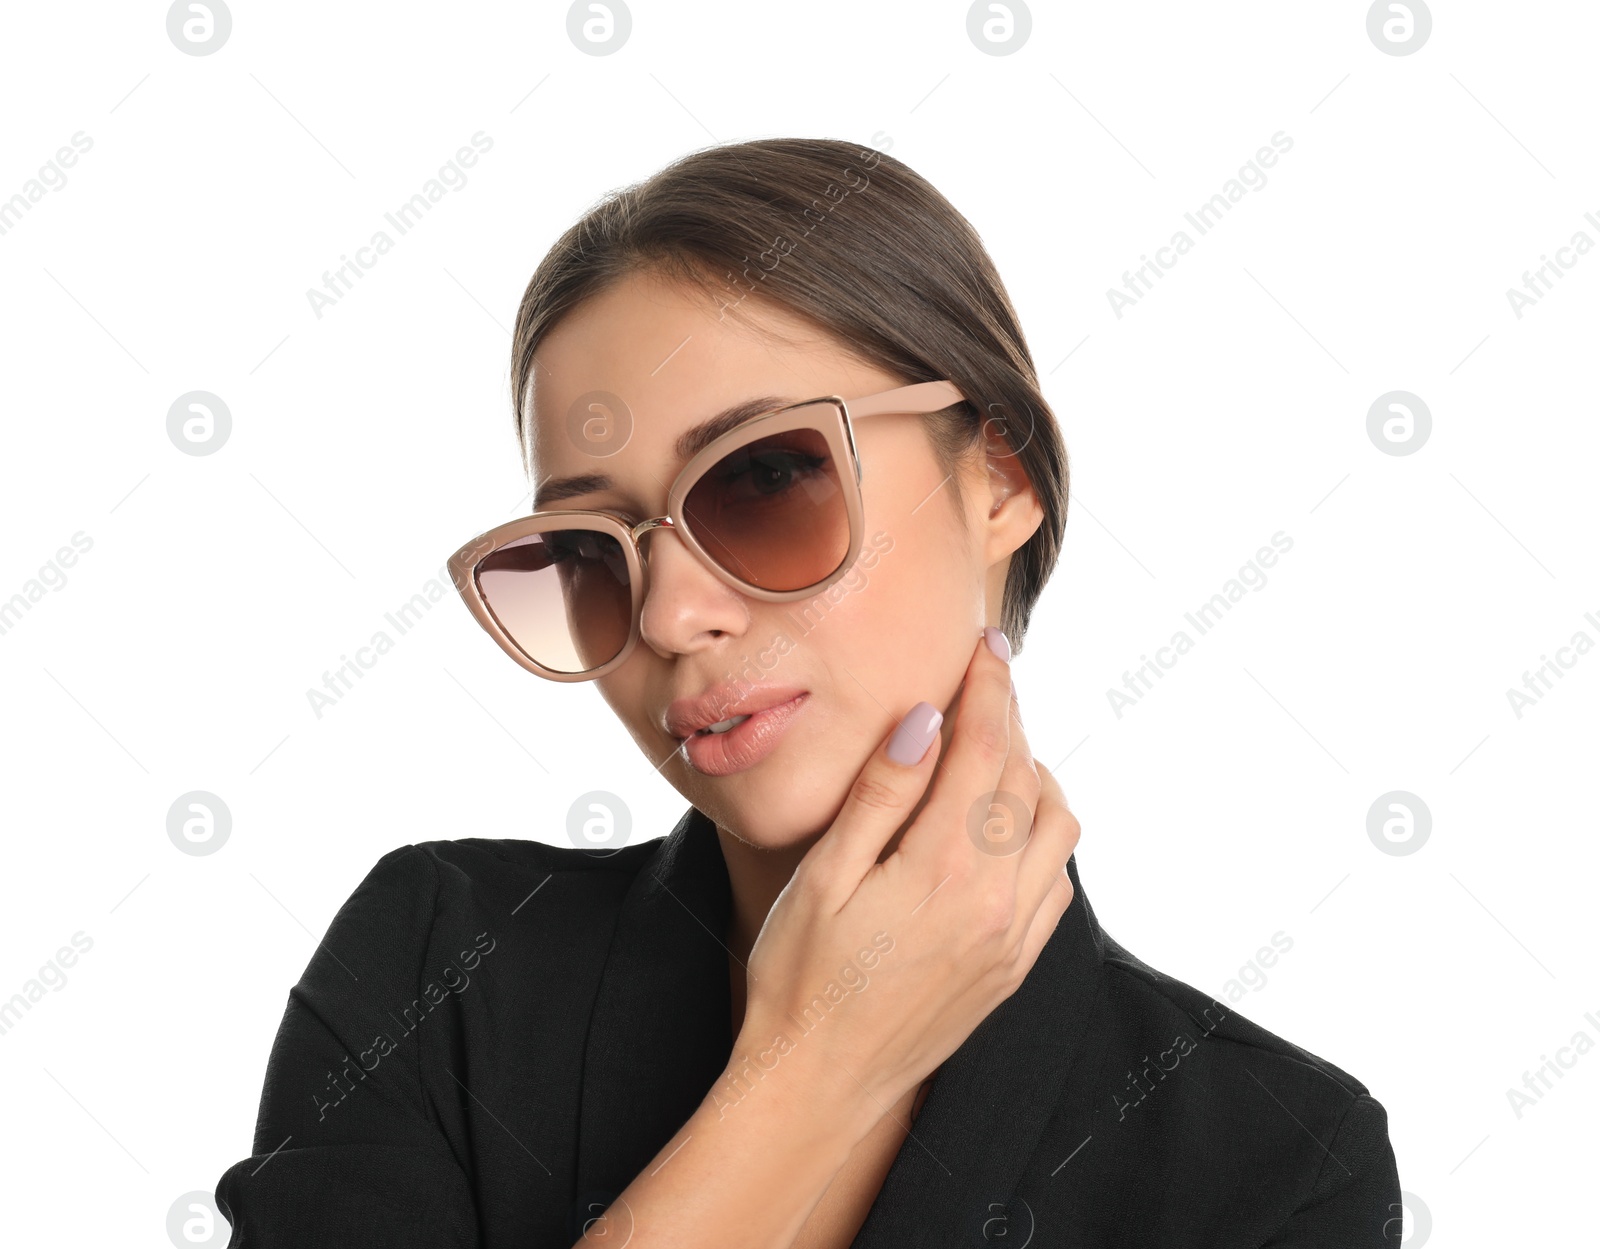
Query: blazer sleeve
[[1355, 1201], [347, 1149]]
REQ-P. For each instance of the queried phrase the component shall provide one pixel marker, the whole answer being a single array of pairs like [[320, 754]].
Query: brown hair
[[862, 246]]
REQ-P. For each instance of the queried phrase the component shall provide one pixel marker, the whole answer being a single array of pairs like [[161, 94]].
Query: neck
[[756, 876]]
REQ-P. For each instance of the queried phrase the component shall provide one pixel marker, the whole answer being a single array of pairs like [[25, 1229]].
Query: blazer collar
[[660, 1035]]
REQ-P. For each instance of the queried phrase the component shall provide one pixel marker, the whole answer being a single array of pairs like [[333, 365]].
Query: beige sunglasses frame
[[919, 399]]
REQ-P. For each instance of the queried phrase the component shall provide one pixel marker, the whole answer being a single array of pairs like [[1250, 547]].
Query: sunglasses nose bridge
[[645, 526], [649, 526], [665, 522]]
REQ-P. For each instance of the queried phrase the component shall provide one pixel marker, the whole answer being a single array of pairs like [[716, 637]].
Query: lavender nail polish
[[998, 642], [915, 734]]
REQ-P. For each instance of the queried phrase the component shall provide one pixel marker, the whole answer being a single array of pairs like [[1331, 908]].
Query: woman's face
[[900, 626]]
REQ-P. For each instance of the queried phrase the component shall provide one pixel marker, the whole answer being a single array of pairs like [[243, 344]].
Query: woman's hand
[[867, 975]]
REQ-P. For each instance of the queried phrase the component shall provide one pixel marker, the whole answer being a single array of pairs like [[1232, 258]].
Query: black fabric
[[496, 1036]]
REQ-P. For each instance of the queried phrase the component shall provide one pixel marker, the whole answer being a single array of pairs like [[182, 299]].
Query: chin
[[750, 818]]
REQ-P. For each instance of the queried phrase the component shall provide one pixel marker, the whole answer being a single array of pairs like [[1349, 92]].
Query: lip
[[684, 716], [744, 745]]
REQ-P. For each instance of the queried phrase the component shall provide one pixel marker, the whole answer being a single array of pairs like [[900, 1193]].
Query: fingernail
[[915, 734], [998, 642]]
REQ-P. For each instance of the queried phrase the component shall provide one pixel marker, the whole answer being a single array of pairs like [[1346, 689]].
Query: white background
[[1229, 804]]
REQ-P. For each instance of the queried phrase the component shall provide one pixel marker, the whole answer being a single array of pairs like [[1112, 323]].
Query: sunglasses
[[773, 507]]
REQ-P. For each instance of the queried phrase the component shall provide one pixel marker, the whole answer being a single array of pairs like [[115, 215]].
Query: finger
[[881, 799], [973, 762], [1003, 824], [1056, 830], [1047, 918]]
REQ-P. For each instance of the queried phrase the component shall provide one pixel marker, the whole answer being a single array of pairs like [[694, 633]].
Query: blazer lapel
[[990, 1100], [660, 1031]]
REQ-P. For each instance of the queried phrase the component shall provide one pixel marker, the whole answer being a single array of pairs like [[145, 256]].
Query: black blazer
[[496, 1037]]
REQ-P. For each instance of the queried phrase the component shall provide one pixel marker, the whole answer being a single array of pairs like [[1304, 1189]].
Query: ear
[[1015, 512]]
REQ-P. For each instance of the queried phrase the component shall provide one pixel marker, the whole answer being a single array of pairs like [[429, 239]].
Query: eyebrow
[[689, 444]]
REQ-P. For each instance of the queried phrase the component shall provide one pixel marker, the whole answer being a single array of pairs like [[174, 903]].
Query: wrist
[[792, 1077]]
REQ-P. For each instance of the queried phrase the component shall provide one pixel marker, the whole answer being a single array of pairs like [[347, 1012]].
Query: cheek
[[928, 603], [624, 692], [914, 612]]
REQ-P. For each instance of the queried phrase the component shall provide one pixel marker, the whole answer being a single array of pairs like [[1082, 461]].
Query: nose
[[687, 607]]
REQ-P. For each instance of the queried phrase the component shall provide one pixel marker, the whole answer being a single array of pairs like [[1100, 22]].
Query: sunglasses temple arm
[[921, 398]]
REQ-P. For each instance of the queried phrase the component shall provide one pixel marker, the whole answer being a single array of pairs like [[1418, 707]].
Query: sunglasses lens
[[773, 511], [563, 596]]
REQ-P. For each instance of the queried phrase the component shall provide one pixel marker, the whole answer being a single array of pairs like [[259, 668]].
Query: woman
[[796, 494]]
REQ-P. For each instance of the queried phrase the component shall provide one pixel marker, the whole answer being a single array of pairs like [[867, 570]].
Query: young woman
[[796, 493]]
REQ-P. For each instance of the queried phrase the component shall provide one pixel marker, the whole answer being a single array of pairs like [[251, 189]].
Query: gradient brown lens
[[773, 511], [563, 596]]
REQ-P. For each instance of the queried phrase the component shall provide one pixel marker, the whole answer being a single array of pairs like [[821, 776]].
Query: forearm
[[750, 1164]]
